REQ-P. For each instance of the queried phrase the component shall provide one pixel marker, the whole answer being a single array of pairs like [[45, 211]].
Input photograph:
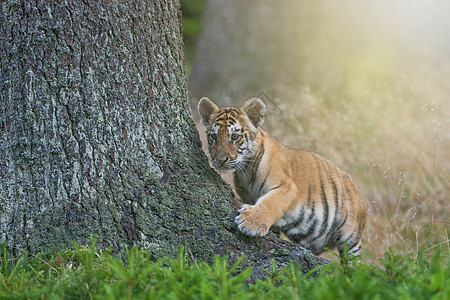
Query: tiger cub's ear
[[206, 108], [255, 110]]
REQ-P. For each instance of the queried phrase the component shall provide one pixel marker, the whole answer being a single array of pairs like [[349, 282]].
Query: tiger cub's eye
[[235, 137], [213, 136]]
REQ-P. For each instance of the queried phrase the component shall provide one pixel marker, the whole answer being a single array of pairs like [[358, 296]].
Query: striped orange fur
[[313, 202]]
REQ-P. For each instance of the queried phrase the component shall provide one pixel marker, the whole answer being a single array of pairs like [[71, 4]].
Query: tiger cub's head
[[232, 132]]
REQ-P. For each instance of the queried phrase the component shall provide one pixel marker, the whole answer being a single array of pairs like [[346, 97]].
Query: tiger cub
[[308, 198]]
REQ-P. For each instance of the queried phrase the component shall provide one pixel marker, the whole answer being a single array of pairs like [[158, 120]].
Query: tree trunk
[[96, 136]]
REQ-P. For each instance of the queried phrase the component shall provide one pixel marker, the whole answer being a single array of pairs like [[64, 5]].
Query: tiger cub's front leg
[[251, 221], [255, 220]]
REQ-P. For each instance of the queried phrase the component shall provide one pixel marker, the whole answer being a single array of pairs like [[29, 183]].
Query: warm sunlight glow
[[365, 83]]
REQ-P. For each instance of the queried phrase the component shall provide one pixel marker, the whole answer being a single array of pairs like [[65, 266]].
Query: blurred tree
[[96, 136], [243, 48]]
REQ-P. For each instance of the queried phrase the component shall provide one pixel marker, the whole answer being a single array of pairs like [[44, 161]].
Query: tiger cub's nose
[[222, 160]]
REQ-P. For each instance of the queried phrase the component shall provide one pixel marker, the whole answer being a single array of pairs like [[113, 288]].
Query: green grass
[[87, 273]]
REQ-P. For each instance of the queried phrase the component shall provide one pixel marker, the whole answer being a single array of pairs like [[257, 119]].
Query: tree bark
[[96, 136]]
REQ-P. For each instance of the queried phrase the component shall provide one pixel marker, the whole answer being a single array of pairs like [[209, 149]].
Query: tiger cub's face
[[231, 132]]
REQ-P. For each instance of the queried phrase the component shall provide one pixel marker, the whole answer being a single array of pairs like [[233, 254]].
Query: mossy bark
[[96, 135]]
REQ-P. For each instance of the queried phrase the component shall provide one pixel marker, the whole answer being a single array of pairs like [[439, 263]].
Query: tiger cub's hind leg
[[349, 249]]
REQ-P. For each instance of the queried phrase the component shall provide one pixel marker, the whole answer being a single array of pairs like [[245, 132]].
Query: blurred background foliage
[[364, 83], [192, 11]]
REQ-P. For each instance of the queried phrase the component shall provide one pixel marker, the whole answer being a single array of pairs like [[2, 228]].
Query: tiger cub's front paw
[[251, 222]]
